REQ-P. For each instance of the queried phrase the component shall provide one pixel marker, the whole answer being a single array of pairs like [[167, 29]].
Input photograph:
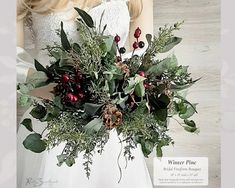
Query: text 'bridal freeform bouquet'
[[97, 90]]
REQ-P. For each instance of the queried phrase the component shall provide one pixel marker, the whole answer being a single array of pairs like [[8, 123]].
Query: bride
[[37, 22]]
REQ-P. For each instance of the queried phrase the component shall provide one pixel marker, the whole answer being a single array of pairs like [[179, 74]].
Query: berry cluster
[[137, 44], [70, 87]]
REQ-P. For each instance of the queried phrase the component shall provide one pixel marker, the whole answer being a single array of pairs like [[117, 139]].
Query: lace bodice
[[43, 30]]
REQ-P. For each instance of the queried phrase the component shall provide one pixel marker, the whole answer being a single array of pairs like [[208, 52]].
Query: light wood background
[[200, 50]]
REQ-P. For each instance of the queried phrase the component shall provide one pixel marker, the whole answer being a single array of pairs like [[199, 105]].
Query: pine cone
[[111, 117]]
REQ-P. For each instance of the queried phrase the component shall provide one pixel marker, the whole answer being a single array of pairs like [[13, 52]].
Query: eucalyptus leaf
[[24, 100], [64, 39], [51, 113], [175, 87], [191, 129], [58, 103], [140, 89], [93, 126], [182, 70], [185, 101], [25, 88], [159, 151], [38, 112], [121, 100], [190, 123], [61, 159], [86, 17], [180, 107], [131, 86], [39, 67], [55, 53], [108, 42], [149, 39], [190, 111], [34, 143], [28, 124], [147, 147], [161, 114], [70, 161], [163, 142], [38, 79], [166, 64], [91, 108], [170, 44], [160, 104], [76, 47], [134, 82]]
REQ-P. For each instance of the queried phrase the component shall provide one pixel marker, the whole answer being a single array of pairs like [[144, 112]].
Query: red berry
[[146, 85], [78, 76], [117, 39], [78, 87], [75, 98], [135, 45], [137, 33], [141, 73], [81, 95], [69, 97], [65, 78]]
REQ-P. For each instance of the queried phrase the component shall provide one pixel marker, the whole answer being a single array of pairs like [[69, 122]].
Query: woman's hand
[[44, 92]]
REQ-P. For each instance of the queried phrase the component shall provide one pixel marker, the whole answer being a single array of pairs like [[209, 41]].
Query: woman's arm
[[20, 33], [144, 22]]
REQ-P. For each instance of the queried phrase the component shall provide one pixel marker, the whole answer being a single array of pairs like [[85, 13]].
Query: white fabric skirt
[[41, 170]]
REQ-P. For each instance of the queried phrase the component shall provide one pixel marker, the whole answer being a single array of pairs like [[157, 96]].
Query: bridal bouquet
[[96, 89]]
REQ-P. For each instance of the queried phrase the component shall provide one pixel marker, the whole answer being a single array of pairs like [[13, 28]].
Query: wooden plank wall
[[200, 50]]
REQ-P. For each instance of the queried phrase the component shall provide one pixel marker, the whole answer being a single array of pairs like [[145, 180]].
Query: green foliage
[[165, 40], [93, 126], [135, 84], [38, 79], [39, 67], [34, 143], [86, 17], [38, 112], [165, 65], [64, 40], [28, 124], [91, 109], [24, 100], [171, 43], [160, 104]]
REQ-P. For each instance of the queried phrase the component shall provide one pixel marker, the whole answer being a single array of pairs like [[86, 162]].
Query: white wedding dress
[[41, 170]]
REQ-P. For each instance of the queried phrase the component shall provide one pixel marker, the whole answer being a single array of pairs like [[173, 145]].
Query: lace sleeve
[[115, 15], [29, 35]]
